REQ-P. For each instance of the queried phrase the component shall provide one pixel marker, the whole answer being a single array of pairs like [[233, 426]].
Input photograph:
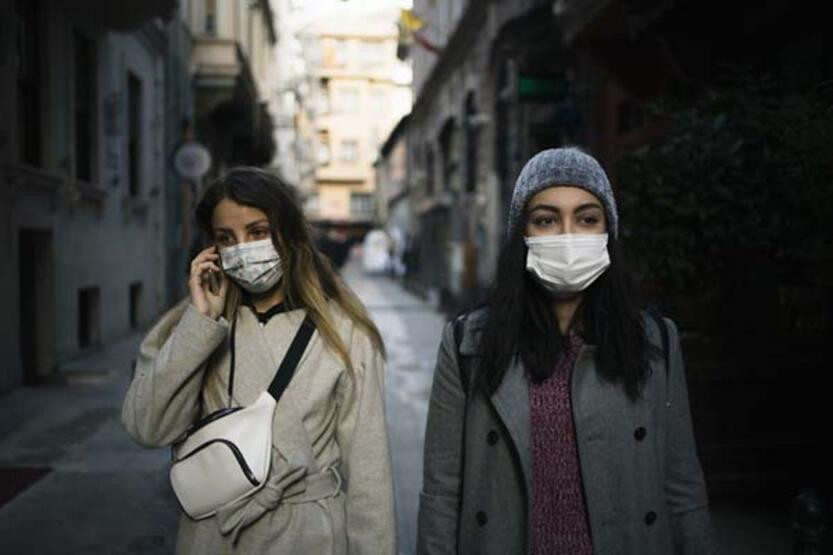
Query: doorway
[[36, 309]]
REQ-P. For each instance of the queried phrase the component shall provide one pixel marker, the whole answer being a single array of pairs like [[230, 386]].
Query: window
[[361, 203], [340, 47], [349, 151], [88, 317], [372, 53], [449, 147], [210, 17], [322, 154], [348, 99], [83, 104], [324, 97], [28, 81], [134, 134], [378, 101], [135, 304], [472, 143]]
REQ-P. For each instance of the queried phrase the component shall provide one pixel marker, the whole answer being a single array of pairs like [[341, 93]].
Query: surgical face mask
[[567, 264], [255, 266]]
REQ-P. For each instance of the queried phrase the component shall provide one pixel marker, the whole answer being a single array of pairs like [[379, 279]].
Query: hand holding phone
[[207, 284]]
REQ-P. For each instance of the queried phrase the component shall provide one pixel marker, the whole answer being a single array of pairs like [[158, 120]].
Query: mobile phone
[[214, 282]]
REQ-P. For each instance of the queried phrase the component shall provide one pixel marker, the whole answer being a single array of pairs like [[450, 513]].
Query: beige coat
[[327, 418]]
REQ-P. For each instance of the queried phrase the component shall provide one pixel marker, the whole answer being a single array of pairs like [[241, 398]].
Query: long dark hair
[[309, 280], [520, 321]]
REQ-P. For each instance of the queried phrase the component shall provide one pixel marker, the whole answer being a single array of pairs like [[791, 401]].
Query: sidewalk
[[103, 493], [411, 330]]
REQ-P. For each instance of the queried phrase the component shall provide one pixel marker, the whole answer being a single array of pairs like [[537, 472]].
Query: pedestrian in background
[[555, 425], [329, 488]]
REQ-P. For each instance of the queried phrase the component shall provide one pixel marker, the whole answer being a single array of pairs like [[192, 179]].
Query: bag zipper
[[234, 450]]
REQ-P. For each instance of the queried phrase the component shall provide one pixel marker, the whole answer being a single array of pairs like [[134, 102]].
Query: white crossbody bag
[[225, 456]]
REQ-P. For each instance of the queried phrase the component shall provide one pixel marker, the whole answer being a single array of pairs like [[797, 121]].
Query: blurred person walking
[[329, 486], [559, 417]]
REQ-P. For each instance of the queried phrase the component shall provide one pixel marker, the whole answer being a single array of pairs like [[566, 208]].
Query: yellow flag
[[411, 21]]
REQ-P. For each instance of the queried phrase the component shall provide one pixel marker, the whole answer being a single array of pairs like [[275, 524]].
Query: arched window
[[450, 152], [472, 142]]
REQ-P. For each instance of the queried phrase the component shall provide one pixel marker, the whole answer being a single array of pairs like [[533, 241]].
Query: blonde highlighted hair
[[309, 280]]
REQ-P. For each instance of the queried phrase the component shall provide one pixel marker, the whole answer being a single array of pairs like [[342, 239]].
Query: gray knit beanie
[[563, 166]]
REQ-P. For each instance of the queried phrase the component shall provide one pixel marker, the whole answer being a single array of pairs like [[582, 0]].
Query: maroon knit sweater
[[559, 514]]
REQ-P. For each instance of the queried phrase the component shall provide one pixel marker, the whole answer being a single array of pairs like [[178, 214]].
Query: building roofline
[[397, 130], [463, 32]]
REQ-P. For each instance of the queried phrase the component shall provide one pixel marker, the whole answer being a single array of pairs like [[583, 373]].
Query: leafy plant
[[746, 169]]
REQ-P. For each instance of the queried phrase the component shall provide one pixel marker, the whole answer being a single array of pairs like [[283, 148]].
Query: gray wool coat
[[644, 488]]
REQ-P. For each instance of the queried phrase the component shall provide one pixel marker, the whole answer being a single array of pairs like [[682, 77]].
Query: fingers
[[207, 266], [200, 268], [205, 254], [199, 284], [201, 259]]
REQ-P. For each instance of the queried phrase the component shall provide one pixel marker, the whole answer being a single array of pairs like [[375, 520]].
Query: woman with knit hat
[[559, 419]]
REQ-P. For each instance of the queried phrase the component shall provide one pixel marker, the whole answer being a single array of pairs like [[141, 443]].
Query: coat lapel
[[511, 401], [254, 364], [583, 372]]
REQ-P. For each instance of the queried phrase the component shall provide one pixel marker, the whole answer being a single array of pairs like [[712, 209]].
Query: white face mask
[[567, 264], [255, 266]]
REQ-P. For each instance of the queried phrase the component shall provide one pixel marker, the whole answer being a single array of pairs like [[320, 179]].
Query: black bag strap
[[292, 358], [288, 365]]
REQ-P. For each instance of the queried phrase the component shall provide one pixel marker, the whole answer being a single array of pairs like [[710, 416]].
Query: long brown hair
[[309, 280]]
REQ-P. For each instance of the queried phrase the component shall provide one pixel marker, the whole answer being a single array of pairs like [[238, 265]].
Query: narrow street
[[104, 494], [411, 330]]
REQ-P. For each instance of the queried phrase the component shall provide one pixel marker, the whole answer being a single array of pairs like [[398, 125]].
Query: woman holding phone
[[329, 487], [559, 418]]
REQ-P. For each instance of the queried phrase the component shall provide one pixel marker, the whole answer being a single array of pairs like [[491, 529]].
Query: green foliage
[[743, 170]]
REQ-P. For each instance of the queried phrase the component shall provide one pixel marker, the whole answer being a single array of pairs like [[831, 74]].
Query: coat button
[[481, 518], [650, 517], [492, 437], [640, 433]]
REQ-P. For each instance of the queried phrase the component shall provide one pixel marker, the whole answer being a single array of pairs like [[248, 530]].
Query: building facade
[[393, 199], [468, 133], [97, 226], [233, 69], [82, 186], [359, 90], [290, 106]]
